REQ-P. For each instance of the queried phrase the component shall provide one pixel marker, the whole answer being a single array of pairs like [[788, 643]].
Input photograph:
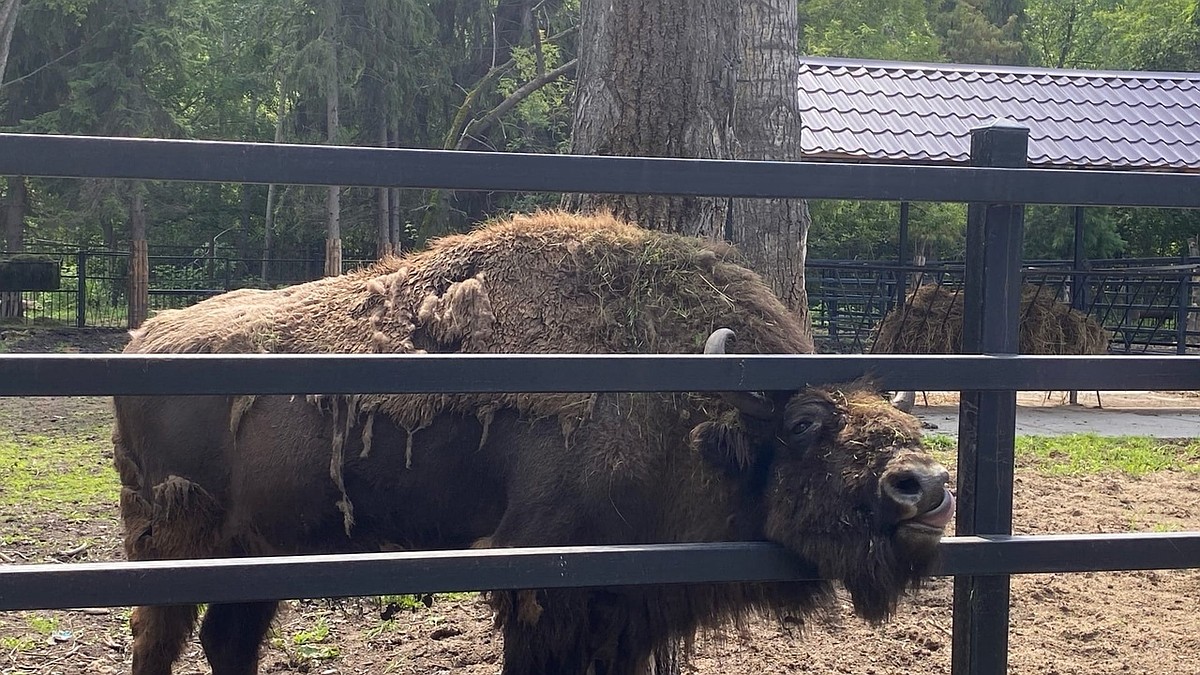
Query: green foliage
[[968, 35], [229, 70], [1050, 233], [1115, 34], [897, 30], [1155, 232], [871, 230], [241, 70], [541, 122]]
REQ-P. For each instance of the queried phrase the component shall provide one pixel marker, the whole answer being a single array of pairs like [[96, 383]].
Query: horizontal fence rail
[[234, 162], [46, 586], [188, 374]]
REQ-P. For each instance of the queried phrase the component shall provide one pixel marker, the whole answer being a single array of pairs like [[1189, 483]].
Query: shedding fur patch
[[337, 462], [241, 405], [367, 433]]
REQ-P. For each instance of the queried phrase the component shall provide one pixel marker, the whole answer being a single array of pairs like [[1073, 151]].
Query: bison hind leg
[[232, 634]]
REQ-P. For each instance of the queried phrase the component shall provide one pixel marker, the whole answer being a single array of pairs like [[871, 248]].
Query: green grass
[[56, 471], [1081, 454]]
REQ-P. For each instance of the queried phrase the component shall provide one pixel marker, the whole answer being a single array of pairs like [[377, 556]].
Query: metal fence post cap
[[1000, 123]]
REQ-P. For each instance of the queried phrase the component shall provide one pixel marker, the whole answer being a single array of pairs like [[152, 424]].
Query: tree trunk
[[383, 234], [771, 233], [657, 78], [394, 196], [273, 192], [242, 265], [139, 259], [13, 216], [14, 213], [333, 209], [8, 23]]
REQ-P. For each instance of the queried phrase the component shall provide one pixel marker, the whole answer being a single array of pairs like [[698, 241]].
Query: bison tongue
[[939, 516]]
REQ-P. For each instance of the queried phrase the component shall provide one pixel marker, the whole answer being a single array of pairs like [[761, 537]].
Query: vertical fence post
[[81, 295], [1078, 281], [1183, 300], [902, 277], [987, 419]]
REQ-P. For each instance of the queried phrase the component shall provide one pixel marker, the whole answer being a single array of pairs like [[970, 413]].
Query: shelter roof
[[856, 110]]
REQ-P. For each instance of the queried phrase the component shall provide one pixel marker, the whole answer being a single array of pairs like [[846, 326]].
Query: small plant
[[318, 633], [943, 447], [43, 625], [310, 645], [385, 626], [17, 644]]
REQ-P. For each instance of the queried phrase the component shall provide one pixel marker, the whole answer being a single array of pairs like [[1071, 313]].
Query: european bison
[[834, 473]]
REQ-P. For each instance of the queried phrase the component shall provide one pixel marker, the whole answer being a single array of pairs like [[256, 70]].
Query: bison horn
[[749, 403]]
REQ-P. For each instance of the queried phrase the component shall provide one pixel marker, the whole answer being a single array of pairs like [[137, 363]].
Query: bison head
[[839, 476]]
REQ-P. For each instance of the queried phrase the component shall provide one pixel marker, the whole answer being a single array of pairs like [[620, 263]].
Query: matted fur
[[551, 282]]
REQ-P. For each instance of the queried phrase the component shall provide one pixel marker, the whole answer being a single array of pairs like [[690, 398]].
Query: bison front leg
[[232, 634], [159, 634], [179, 520]]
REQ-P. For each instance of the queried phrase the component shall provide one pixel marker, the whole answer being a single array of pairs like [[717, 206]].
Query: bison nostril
[[903, 487], [914, 489], [907, 485]]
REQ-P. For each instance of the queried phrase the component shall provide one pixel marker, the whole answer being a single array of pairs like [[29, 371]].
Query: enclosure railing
[[1146, 305], [982, 556]]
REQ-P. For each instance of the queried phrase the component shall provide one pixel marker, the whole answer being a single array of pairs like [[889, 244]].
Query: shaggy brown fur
[[217, 476], [931, 322]]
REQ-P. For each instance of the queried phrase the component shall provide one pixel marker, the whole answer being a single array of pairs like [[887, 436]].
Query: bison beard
[[833, 473]]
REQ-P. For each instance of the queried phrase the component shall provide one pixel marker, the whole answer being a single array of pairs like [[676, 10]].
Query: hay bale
[[26, 272], [546, 283], [931, 322]]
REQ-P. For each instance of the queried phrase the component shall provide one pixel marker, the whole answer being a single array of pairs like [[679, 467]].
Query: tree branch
[[456, 132], [480, 125]]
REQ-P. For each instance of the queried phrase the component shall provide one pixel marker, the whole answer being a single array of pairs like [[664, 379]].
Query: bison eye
[[802, 430]]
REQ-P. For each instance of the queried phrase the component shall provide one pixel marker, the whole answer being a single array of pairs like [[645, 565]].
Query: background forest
[[467, 74]]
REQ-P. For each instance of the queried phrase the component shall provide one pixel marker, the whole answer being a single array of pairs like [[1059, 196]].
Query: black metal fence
[[983, 553], [94, 282], [1147, 305]]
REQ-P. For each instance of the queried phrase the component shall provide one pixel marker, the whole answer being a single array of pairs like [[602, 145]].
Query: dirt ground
[[1132, 622]]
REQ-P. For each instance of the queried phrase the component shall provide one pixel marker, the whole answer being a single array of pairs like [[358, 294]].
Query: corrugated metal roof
[[922, 113]]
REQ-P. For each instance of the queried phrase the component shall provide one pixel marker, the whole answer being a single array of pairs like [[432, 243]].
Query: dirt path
[[1132, 622]]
